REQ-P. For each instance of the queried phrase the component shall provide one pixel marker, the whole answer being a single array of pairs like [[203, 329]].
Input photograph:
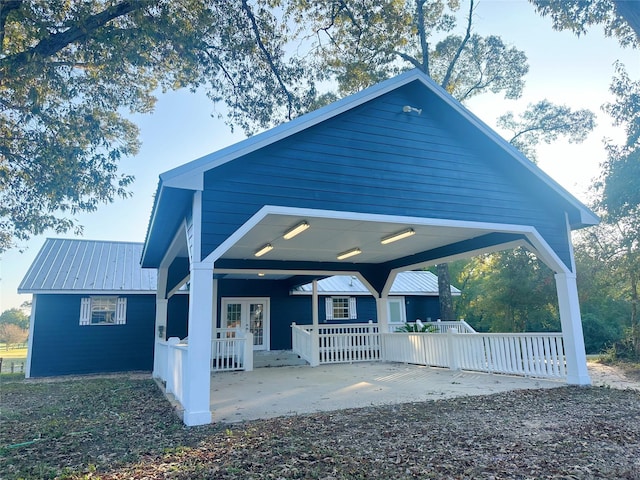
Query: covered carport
[[356, 174]]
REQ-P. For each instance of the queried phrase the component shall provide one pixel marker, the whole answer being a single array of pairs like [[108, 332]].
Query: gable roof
[[418, 283], [88, 266], [176, 185]]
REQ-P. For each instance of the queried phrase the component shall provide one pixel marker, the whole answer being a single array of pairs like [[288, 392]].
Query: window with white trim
[[103, 310], [341, 308]]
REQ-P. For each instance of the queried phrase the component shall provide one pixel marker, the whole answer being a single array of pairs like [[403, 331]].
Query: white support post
[[32, 323], [382, 311], [197, 384], [315, 332], [248, 351], [567, 289], [452, 345], [214, 310], [160, 332]]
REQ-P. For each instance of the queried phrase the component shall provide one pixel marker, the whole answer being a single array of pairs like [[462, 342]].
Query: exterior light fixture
[[409, 109], [349, 253], [397, 236], [266, 248], [260, 274], [301, 227]]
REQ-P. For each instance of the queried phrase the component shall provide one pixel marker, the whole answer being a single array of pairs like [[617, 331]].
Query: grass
[[13, 353], [122, 427]]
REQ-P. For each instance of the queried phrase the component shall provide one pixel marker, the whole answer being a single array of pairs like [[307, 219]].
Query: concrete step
[[276, 358]]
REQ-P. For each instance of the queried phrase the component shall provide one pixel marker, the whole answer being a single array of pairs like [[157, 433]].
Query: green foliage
[[510, 291], [15, 316], [71, 69], [545, 122], [416, 328], [577, 16]]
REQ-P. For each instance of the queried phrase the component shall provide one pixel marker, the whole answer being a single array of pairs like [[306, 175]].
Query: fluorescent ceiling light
[[349, 253], [267, 248], [261, 274], [301, 227], [398, 236]]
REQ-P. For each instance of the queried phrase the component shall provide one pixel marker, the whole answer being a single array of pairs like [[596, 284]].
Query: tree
[[10, 334], [545, 122], [15, 316], [71, 69], [620, 18], [358, 43]]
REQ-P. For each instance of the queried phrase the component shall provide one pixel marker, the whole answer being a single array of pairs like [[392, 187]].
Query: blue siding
[[376, 159], [423, 308], [177, 316], [62, 347]]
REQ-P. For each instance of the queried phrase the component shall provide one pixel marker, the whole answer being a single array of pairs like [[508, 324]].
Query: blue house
[[93, 308], [342, 298], [395, 178]]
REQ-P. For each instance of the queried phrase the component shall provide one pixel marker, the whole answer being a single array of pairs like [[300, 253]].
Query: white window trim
[[86, 310], [352, 312]]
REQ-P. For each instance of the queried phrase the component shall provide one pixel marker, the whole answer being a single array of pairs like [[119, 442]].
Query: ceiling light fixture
[[266, 248], [349, 253], [397, 236], [260, 274], [301, 227]]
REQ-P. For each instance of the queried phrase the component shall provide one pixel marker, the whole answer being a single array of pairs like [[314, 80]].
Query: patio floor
[[274, 392]]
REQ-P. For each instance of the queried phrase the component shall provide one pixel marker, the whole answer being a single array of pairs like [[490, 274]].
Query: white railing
[[460, 326], [161, 350], [301, 342], [177, 358], [528, 354], [232, 349], [355, 342], [535, 355]]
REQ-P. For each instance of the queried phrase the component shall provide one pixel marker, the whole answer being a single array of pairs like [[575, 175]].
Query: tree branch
[[447, 76], [422, 36], [408, 58], [55, 42], [274, 69]]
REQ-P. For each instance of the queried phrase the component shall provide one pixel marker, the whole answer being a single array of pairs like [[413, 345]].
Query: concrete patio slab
[[274, 392]]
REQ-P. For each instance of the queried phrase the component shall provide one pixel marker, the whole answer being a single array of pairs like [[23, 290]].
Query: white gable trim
[[191, 175]]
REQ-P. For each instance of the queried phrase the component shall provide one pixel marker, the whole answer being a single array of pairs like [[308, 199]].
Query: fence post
[[248, 351], [171, 343], [452, 345], [315, 346]]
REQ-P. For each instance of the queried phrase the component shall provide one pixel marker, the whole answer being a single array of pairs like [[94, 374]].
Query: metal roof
[[88, 266], [406, 283]]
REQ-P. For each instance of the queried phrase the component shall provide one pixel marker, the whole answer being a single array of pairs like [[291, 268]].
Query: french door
[[251, 314]]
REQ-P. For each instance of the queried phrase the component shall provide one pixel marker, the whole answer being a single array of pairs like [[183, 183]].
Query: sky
[[564, 69]]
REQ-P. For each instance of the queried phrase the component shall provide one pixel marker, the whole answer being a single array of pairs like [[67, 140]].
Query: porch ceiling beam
[[287, 265], [470, 245]]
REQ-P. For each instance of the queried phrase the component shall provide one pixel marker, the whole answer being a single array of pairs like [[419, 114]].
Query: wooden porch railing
[[231, 350], [527, 354]]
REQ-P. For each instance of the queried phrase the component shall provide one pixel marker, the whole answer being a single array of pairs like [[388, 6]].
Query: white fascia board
[[332, 293], [191, 175]]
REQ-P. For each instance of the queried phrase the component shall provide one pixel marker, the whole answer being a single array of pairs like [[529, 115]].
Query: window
[[103, 310], [341, 308]]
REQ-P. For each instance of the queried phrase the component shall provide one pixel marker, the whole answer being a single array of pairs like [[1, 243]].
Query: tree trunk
[[444, 291]]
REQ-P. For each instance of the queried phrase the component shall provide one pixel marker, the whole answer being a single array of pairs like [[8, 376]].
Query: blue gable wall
[[62, 347], [377, 159]]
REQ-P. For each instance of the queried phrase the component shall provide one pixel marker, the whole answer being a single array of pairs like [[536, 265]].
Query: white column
[[315, 332], [197, 384], [161, 321], [382, 308], [577, 373], [32, 323], [314, 303], [214, 310]]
